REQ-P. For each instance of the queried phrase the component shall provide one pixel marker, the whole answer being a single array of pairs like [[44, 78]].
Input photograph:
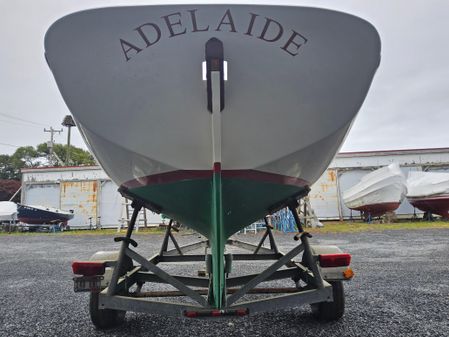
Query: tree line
[[29, 157]]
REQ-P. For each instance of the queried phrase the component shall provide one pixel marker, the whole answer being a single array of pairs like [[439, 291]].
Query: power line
[[19, 123], [6, 144], [21, 119]]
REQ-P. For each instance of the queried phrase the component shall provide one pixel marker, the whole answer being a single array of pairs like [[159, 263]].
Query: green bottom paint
[[216, 207]]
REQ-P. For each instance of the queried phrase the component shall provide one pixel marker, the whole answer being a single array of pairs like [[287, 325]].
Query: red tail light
[[88, 268], [335, 260]]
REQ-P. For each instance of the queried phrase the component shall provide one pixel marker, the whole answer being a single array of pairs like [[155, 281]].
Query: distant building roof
[[61, 168], [393, 152]]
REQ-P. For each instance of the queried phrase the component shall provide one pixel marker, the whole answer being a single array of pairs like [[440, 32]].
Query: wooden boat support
[[315, 290]]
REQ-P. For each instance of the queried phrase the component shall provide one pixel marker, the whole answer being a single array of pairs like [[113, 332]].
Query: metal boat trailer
[[316, 279]]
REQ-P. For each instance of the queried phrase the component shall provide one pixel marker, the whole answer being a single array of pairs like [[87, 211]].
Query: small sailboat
[[42, 215], [429, 192], [378, 192]]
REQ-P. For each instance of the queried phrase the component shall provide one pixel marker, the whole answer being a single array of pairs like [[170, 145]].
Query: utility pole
[[51, 143]]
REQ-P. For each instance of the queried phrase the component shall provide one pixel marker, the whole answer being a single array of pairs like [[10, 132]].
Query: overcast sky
[[407, 105]]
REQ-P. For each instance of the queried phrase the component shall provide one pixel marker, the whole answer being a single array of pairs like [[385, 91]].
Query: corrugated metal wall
[[111, 204], [324, 197], [41, 194], [94, 201], [82, 198]]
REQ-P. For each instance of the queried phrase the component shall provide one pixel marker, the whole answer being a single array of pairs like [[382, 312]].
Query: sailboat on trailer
[[214, 154]]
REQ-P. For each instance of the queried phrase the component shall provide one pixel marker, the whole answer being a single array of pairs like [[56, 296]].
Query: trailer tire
[[331, 311], [104, 318]]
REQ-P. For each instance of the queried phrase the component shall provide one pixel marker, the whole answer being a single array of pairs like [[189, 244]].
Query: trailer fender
[[320, 249], [109, 256], [331, 273]]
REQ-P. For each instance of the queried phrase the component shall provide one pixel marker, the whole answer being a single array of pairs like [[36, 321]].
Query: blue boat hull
[[36, 216]]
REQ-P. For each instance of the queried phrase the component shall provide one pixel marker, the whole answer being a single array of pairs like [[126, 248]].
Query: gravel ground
[[401, 288]]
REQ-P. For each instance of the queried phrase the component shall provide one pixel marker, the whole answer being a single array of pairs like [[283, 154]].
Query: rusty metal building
[[86, 190], [95, 200]]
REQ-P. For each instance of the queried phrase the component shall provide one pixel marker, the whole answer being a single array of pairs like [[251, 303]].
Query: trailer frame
[[116, 295]]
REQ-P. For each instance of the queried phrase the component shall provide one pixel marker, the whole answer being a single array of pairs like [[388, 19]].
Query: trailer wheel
[[104, 319], [331, 311]]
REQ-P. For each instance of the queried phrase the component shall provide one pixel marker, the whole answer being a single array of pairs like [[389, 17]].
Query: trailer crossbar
[[167, 277], [265, 274]]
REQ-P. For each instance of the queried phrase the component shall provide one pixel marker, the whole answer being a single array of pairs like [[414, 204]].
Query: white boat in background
[[429, 192], [378, 192], [8, 211]]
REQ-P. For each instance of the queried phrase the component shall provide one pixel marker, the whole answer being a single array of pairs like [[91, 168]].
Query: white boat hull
[[429, 192], [222, 154], [378, 192], [144, 113], [8, 211]]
